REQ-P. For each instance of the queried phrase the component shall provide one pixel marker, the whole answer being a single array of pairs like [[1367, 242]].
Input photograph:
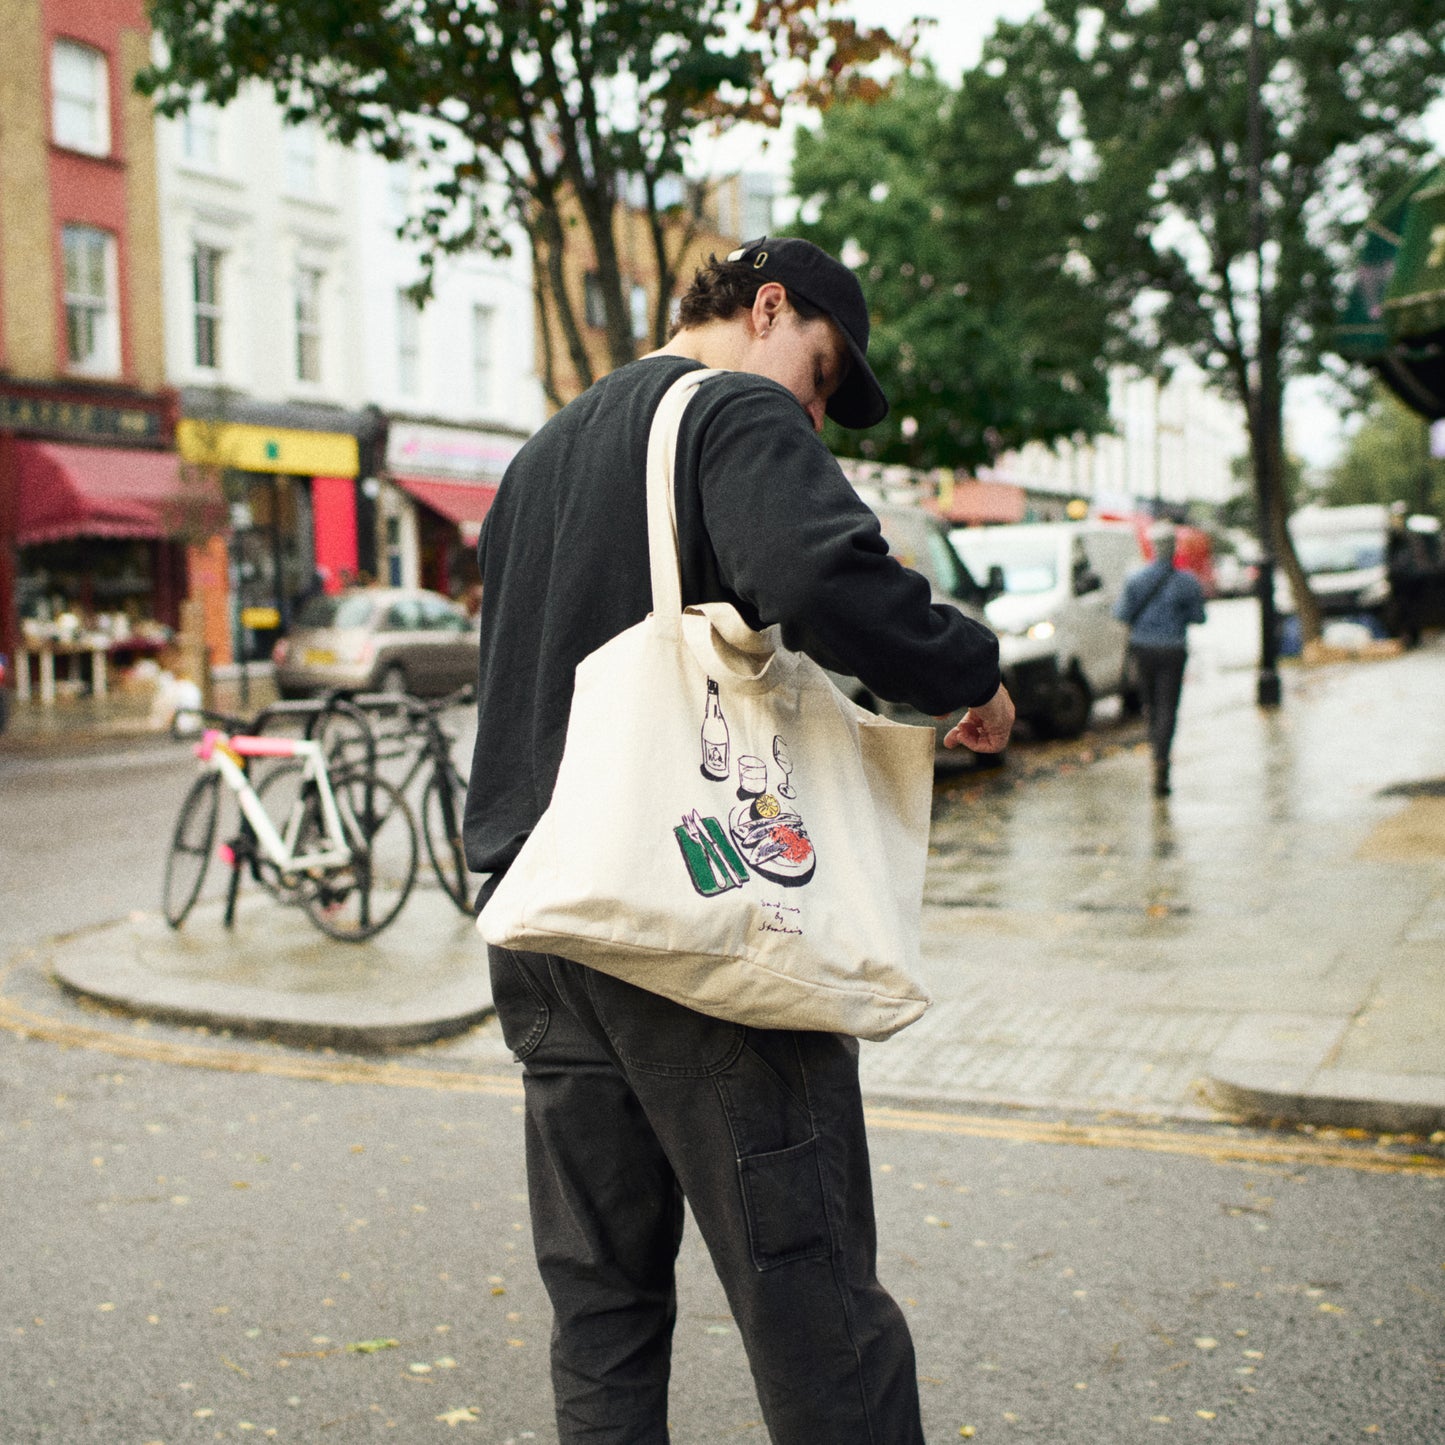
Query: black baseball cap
[[811, 274]]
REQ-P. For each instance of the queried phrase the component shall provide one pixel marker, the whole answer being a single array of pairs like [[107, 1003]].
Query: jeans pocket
[[654, 1035], [521, 1006], [783, 1200]]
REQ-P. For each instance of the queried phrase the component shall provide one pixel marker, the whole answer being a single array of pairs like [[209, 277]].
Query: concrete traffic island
[[275, 976]]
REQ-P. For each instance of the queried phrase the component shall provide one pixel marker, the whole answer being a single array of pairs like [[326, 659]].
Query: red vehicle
[[1193, 551]]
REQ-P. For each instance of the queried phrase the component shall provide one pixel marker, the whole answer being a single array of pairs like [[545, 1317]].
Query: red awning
[[76, 491], [465, 503], [974, 502]]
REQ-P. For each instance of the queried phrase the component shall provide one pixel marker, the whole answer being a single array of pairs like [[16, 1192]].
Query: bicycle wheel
[[441, 827], [346, 739], [191, 845], [357, 900], [283, 791]]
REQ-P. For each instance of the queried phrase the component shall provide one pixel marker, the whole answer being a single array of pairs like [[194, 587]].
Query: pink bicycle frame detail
[[246, 747], [265, 747]]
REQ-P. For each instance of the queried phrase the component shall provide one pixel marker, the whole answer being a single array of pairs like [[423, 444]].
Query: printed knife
[[729, 870], [698, 834]]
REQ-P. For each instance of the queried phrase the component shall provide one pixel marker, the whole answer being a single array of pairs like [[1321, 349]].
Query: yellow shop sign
[[245, 448]]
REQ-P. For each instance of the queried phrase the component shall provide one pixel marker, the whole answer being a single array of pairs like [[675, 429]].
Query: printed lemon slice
[[767, 806]]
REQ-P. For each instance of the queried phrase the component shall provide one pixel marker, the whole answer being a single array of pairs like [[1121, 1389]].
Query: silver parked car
[[378, 639]]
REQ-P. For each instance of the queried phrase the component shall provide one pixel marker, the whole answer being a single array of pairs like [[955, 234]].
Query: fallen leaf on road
[[462, 1415], [370, 1347]]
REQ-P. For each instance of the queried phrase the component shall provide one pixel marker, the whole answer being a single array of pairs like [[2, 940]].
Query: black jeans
[[634, 1102], [1161, 679]]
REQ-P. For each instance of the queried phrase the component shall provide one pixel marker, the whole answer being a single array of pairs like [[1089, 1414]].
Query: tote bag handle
[[723, 643], [662, 548]]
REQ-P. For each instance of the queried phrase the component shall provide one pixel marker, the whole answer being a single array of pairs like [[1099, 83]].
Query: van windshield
[[1341, 551], [1029, 564]]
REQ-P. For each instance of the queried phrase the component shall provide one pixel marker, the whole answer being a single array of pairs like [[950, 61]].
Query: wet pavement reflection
[[1088, 942]]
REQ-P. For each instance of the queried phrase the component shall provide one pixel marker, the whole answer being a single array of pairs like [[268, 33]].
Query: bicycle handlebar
[[415, 707], [351, 705], [252, 726]]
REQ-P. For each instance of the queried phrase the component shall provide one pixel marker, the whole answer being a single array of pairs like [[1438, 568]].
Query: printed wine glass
[[784, 760]]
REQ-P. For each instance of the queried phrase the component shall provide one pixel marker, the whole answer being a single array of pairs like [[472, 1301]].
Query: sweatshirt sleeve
[[794, 540]]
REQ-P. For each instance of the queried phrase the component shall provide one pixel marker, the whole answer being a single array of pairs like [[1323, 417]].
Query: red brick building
[[96, 517]]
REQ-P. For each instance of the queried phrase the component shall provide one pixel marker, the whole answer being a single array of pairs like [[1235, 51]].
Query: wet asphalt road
[[197, 1229], [194, 1253]]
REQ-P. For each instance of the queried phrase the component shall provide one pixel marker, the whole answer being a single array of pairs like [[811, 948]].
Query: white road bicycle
[[340, 844]]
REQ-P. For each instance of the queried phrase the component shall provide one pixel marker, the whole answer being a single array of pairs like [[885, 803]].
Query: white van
[[1343, 552], [1052, 586], [920, 541]]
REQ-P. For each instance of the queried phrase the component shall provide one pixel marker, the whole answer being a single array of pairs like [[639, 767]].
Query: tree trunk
[[550, 389], [1266, 438], [553, 247], [598, 210], [665, 264]]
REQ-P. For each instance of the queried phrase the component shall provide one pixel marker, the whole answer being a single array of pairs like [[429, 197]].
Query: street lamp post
[[1267, 692]]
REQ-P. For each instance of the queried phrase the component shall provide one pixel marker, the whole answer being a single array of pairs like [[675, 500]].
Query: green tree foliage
[[522, 108], [1388, 460], [989, 333], [1148, 105]]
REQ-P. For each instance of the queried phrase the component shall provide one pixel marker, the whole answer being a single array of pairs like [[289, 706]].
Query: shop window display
[[91, 598]]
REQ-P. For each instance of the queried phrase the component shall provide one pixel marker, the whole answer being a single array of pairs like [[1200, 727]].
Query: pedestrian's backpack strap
[[1153, 592]]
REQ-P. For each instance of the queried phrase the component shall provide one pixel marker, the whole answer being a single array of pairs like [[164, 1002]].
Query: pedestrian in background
[[636, 1103], [1159, 602], [1407, 567]]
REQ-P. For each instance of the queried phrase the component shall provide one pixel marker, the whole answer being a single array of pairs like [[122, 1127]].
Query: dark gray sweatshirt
[[766, 520]]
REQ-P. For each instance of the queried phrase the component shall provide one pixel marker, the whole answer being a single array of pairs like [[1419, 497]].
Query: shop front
[[300, 522], [440, 483], [98, 518]]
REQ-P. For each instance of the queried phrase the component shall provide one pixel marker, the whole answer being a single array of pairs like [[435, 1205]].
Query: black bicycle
[[400, 728]]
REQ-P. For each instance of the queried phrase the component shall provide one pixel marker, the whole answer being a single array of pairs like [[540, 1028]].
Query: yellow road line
[[1221, 1148], [18, 1020]]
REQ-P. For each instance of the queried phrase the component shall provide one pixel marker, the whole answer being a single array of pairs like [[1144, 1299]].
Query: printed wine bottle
[[714, 736]]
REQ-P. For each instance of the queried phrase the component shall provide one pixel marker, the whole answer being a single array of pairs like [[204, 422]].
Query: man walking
[[1159, 602], [635, 1103]]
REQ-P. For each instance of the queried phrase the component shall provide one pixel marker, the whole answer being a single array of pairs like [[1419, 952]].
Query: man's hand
[[985, 729]]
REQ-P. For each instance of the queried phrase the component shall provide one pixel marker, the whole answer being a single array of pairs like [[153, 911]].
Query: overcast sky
[[954, 43]]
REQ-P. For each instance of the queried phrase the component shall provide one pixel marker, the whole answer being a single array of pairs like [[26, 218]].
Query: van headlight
[[1034, 632]]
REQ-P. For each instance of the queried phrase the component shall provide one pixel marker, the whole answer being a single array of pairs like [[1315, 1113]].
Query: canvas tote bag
[[727, 829]]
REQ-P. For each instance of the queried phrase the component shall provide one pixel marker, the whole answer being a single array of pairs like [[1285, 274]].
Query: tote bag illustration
[[727, 829]]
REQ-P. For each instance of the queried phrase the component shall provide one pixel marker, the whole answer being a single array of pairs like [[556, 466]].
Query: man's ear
[[768, 305]]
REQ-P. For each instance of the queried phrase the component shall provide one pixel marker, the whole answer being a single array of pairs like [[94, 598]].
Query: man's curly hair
[[721, 289]]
